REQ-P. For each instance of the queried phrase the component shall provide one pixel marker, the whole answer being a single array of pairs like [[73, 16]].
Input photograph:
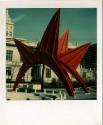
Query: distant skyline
[[30, 23]]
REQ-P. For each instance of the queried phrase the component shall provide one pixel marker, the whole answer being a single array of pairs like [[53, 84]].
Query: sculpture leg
[[42, 58], [63, 76], [81, 81], [21, 73], [76, 75]]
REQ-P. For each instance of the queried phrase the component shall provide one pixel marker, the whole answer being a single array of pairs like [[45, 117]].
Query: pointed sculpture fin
[[63, 43], [49, 42], [73, 57], [24, 50]]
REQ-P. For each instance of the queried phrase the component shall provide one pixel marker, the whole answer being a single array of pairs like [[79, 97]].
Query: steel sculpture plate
[[52, 53]]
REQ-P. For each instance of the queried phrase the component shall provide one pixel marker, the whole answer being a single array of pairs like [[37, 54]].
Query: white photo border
[[71, 112]]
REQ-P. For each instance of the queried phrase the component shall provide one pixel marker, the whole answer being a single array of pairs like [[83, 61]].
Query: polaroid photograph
[[77, 51], [51, 62]]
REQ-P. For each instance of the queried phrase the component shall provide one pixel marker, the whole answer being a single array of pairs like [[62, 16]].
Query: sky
[[30, 23]]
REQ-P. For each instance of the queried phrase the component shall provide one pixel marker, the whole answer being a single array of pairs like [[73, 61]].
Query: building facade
[[13, 59]]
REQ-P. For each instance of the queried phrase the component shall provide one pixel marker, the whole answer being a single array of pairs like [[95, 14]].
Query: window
[[6, 33], [48, 72], [23, 79], [35, 73], [9, 54], [10, 33], [11, 27], [8, 71]]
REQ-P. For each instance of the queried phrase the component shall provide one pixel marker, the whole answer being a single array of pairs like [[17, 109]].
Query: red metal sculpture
[[70, 58], [50, 52]]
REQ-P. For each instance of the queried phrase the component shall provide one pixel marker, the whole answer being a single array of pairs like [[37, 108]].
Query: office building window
[[6, 33], [8, 71], [35, 72], [11, 28], [48, 72], [9, 54], [10, 33]]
